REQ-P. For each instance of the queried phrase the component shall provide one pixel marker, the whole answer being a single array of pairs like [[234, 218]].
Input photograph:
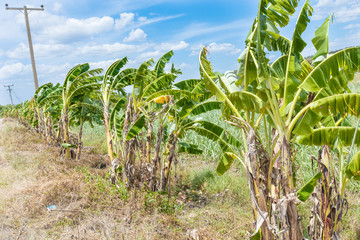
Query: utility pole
[[9, 89], [26, 12]]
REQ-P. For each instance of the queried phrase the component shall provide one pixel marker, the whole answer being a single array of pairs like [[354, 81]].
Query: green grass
[[93, 137]]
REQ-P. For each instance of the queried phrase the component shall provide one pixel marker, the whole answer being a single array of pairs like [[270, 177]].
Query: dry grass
[[204, 205], [33, 176]]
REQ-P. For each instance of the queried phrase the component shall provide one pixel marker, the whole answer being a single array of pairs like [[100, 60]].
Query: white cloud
[[15, 69], [56, 72], [345, 41], [225, 48], [102, 64], [146, 21], [124, 20], [200, 29], [344, 10], [105, 64], [127, 20], [136, 35], [50, 28], [149, 55], [157, 50], [40, 51], [172, 46], [18, 72], [141, 19], [352, 26], [76, 29], [110, 49]]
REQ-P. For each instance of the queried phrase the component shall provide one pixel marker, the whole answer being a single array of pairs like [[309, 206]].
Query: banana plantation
[[275, 107]]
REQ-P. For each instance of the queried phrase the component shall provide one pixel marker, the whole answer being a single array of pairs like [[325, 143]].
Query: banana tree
[[279, 96], [85, 109], [192, 102], [187, 99], [78, 81], [50, 104], [147, 83], [152, 99], [114, 80]]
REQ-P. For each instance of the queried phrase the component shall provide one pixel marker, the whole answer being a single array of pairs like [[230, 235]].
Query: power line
[[9, 89], [16, 96], [26, 13]]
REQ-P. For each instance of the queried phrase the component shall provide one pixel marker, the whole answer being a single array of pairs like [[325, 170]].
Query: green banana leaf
[[335, 72], [160, 65], [342, 104], [205, 107], [304, 193], [321, 41], [246, 101], [189, 148], [135, 128], [353, 168], [328, 136]]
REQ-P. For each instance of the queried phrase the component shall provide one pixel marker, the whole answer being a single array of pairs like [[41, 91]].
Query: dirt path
[[15, 178]]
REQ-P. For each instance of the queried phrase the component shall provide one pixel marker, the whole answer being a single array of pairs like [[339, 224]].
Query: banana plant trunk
[[257, 163], [289, 193], [59, 132], [171, 146], [156, 158], [272, 188], [328, 206], [66, 133], [129, 146], [78, 155], [108, 133], [149, 139]]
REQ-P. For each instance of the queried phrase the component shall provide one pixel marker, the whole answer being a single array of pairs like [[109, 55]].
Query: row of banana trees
[[145, 128], [277, 107]]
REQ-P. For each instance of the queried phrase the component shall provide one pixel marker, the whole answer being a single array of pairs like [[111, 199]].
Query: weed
[[161, 202], [102, 186]]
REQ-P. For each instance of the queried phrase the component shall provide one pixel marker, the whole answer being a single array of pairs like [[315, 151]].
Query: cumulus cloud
[[56, 72], [136, 35], [51, 28], [40, 51], [125, 19], [19, 72], [72, 29], [14, 70]]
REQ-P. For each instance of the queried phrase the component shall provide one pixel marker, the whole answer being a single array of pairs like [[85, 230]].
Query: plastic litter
[[50, 208]]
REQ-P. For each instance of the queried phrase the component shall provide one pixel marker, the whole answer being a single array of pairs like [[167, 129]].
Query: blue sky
[[99, 32]]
